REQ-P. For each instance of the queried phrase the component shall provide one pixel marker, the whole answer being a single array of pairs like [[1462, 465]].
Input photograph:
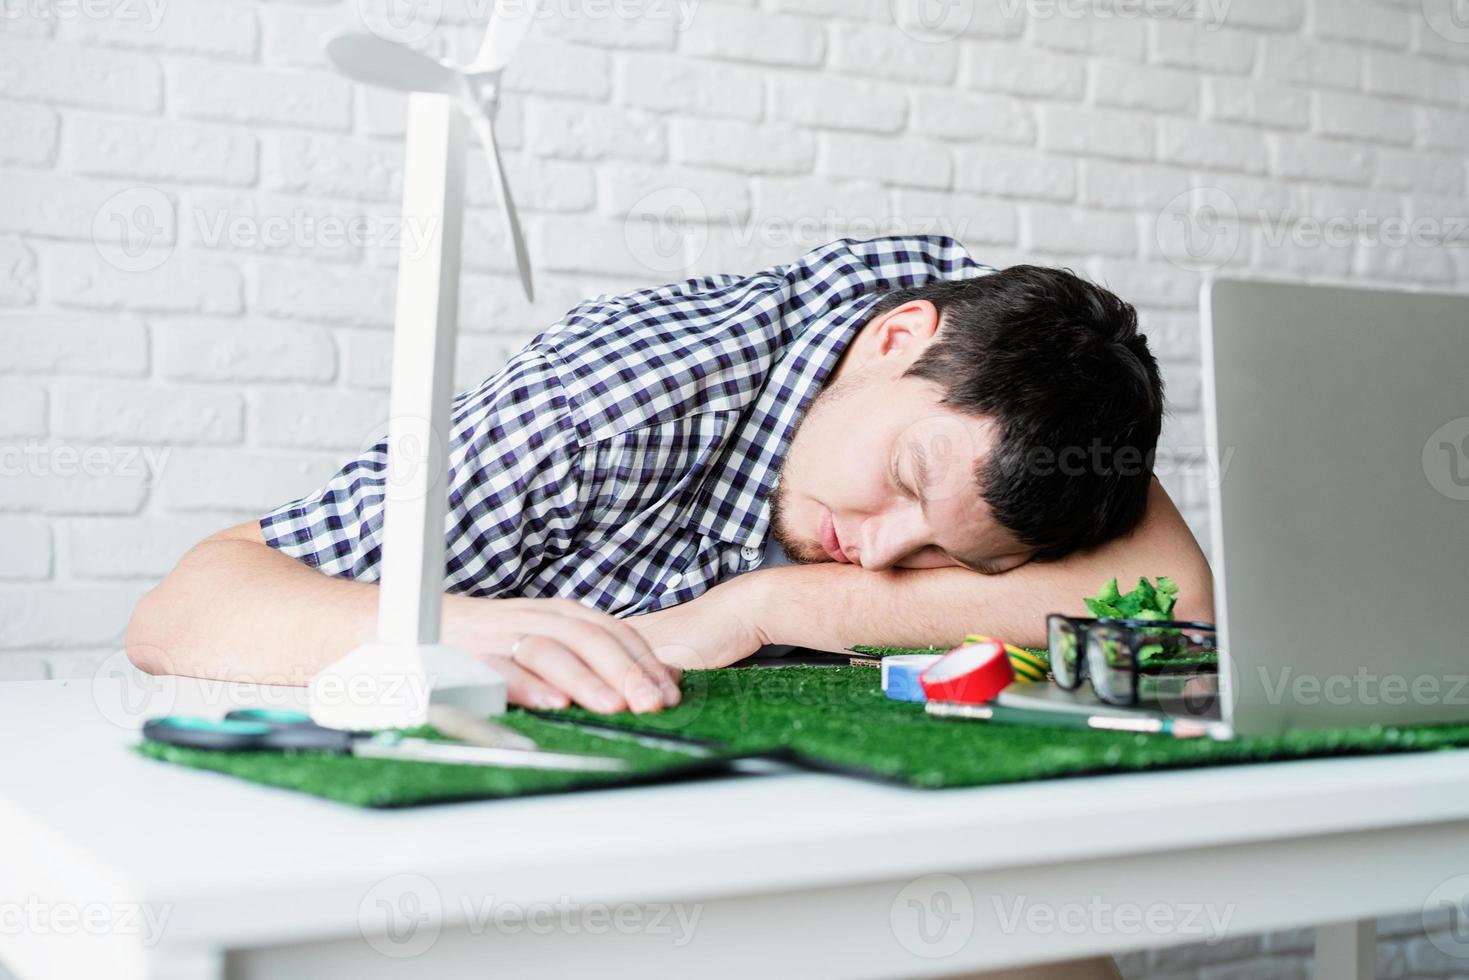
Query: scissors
[[266, 729]]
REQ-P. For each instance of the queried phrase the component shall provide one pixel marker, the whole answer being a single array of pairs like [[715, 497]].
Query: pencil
[[1142, 724]]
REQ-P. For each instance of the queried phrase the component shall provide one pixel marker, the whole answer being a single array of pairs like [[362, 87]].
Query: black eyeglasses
[[1128, 660]]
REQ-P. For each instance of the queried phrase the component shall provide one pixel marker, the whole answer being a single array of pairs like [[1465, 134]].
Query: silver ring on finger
[[515, 646]]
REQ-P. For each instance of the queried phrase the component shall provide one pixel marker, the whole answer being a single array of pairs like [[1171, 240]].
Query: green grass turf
[[824, 717], [832, 718], [838, 718], [388, 783]]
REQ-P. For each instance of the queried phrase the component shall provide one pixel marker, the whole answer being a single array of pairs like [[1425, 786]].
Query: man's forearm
[[830, 607], [235, 609]]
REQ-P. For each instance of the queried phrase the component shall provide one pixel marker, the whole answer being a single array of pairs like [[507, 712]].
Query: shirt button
[[674, 580], [749, 553]]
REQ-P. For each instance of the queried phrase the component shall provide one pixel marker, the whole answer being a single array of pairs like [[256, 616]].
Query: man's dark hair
[[1058, 364]]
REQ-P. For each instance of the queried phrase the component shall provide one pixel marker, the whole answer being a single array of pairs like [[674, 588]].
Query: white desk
[[792, 874]]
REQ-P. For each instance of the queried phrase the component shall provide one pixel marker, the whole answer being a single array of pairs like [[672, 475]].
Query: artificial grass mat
[[827, 718], [390, 783], [838, 718]]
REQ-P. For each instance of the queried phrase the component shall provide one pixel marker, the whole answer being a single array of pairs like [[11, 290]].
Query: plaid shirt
[[628, 454]]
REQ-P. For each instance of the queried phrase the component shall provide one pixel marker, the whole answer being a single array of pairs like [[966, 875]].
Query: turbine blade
[[372, 60], [509, 25], [480, 120]]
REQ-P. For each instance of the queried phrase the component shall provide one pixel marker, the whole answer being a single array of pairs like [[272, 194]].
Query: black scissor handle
[[243, 735]]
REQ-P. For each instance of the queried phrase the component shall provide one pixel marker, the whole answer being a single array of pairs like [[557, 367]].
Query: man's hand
[[714, 629], [555, 651]]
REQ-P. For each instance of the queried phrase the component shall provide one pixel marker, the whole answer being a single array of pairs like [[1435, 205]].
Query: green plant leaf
[[1146, 601], [1147, 652]]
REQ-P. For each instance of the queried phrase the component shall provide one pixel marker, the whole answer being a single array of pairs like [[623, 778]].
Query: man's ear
[[904, 331]]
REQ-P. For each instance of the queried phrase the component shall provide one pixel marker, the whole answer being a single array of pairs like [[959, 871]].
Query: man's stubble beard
[[797, 550], [783, 534]]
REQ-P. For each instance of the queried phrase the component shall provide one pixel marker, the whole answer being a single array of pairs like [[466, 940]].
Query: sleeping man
[[883, 442]]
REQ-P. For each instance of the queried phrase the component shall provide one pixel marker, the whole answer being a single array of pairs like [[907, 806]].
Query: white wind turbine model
[[390, 682]]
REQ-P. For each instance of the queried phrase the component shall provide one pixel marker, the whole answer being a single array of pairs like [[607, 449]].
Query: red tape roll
[[972, 674]]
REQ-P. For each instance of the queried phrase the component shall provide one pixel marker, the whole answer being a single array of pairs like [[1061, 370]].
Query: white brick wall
[[183, 343]]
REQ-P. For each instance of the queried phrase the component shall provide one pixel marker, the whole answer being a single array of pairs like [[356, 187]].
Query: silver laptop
[[1338, 424]]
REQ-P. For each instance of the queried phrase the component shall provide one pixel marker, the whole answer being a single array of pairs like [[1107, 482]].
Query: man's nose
[[885, 541]]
